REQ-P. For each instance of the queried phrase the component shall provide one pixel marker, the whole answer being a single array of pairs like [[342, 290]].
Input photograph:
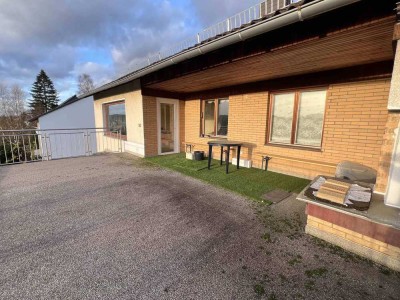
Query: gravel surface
[[115, 227]]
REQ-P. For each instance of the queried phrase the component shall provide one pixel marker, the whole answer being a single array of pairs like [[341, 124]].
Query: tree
[[85, 84], [44, 95], [12, 107]]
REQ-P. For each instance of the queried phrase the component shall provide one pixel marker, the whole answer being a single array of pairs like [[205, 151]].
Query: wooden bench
[[266, 158]]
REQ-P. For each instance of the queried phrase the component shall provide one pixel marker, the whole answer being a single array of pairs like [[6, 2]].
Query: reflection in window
[[215, 117], [223, 109], [115, 117], [311, 118], [282, 118], [298, 118], [209, 114]]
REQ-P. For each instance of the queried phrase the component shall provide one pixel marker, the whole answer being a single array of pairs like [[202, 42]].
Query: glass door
[[167, 127]]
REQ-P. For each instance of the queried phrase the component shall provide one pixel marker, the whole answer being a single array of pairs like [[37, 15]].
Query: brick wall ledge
[[378, 213], [390, 259]]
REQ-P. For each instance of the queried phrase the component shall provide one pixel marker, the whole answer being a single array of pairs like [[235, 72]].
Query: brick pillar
[[387, 165]]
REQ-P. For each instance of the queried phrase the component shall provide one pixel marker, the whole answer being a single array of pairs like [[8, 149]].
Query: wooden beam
[[396, 33], [160, 93], [351, 74]]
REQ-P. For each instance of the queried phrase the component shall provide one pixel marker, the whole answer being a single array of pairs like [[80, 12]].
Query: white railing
[[247, 16], [29, 145]]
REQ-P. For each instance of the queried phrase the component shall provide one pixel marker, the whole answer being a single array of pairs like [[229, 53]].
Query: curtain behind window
[[282, 118], [311, 118]]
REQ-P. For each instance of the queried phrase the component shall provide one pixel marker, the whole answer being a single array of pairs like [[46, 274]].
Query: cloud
[[210, 12], [100, 73], [102, 38]]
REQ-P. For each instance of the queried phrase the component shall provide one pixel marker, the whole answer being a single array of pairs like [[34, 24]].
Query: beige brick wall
[[355, 124], [354, 237], [150, 126]]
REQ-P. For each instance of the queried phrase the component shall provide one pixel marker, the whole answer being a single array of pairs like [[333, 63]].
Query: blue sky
[[99, 37]]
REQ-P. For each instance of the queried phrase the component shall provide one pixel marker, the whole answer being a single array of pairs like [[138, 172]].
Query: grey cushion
[[355, 171]]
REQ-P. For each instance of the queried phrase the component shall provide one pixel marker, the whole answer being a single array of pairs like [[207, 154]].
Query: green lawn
[[252, 183]]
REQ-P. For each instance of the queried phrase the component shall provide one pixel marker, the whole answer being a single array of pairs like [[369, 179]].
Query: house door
[[168, 126]]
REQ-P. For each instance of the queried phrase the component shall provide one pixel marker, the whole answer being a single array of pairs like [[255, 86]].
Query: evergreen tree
[[44, 95]]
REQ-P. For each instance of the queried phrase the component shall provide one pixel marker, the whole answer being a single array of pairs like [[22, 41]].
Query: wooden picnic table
[[224, 143]]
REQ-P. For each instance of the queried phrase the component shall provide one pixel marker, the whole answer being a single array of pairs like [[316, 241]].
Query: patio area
[[118, 227], [250, 182]]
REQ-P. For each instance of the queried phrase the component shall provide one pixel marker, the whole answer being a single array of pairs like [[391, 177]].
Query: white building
[[68, 130]]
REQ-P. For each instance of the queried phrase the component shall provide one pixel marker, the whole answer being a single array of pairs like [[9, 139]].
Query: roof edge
[[301, 13]]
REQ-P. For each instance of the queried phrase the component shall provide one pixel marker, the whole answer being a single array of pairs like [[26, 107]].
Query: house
[[73, 113], [66, 129], [308, 83]]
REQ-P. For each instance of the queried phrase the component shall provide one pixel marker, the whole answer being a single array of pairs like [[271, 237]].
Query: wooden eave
[[361, 44]]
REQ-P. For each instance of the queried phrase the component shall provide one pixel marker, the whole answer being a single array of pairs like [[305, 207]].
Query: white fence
[[19, 146]]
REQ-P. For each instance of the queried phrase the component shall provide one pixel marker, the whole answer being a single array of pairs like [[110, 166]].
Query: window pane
[[209, 108], [311, 118], [223, 110], [282, 117], [117, 118]]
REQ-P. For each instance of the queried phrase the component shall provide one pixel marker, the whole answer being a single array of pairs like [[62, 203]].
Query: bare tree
[[85, 84], [4, 95], [12, 107]]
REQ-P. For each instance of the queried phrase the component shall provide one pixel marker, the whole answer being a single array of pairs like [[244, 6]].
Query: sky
[[102, 38]]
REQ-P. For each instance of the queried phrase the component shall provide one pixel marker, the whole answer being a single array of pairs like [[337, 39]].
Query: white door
[[168, 126]]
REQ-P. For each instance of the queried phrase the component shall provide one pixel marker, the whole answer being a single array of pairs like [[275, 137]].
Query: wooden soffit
[[362, 44]]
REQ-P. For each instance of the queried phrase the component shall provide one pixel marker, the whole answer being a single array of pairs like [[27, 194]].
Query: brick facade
[[355, 123], [150, 126], [354, 236], [375, 241]]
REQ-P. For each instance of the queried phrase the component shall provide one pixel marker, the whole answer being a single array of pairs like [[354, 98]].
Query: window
[[214, 116], [115, 118], [297, 118]]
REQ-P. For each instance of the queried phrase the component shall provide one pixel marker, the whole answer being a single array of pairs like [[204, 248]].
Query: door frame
[[176, 124]]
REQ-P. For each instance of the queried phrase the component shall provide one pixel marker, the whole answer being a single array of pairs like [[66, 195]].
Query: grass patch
[[333, 249], [267, 237], [309, 285], [259, 289], [316, 272], [272, 297], [294, 261], [385, 271], [282, 277], [252, 183]]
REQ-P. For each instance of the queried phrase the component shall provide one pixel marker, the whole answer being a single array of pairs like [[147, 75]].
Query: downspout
[[392, 196], [304, 12]]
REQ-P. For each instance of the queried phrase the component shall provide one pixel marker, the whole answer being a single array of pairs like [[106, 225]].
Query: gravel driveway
[[114, 227]]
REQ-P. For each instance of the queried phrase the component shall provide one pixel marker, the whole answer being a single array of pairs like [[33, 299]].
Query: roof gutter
[[302, 13]]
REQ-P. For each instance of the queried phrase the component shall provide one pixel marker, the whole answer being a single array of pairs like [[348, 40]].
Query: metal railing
[[245, 17], [29, 145]]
